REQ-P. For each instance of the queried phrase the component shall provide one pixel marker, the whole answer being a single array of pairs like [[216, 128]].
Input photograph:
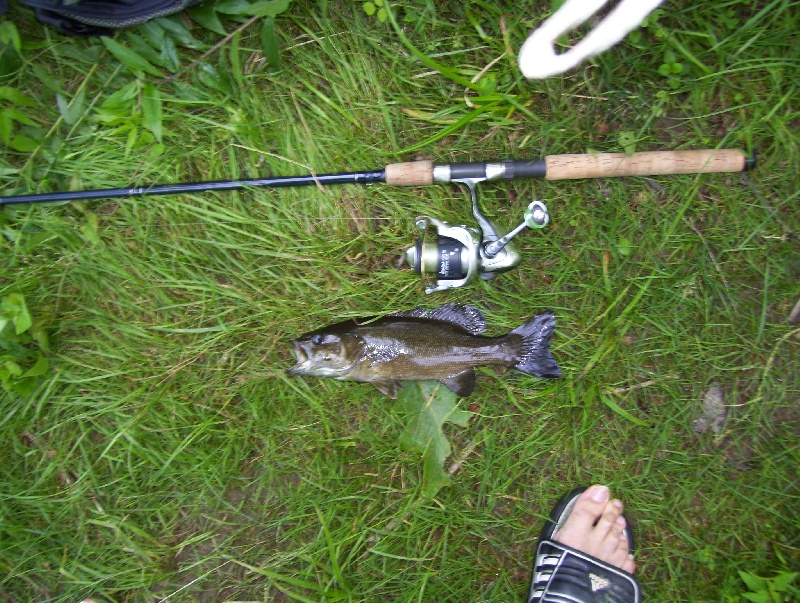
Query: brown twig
[[624, 390], [794, 316]]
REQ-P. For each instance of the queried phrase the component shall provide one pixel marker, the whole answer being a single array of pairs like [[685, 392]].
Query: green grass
[[166, 456]]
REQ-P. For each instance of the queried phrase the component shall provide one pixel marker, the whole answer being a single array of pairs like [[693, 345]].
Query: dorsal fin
[[466, 317]]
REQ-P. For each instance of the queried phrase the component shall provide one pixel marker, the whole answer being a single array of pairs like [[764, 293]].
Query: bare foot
[[596, 527]]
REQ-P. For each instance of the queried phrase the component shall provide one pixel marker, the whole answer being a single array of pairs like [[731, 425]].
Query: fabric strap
[[537, 56]]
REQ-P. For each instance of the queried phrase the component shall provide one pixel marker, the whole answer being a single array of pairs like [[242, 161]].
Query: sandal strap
[[565, 575]]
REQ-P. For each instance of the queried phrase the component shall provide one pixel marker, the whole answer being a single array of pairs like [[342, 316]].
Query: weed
[[22, 341], [778, 589]]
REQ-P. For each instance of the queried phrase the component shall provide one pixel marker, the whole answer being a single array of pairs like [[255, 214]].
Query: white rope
[[538, 58]]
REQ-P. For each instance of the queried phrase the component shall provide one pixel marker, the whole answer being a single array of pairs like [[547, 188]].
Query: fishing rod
[[424, 173], [448, 255]]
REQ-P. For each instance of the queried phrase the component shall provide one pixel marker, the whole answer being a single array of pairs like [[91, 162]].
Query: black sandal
[[562, 574]]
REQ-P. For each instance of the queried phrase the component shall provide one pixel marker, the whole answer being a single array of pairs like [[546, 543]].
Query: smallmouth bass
[[442, 344]]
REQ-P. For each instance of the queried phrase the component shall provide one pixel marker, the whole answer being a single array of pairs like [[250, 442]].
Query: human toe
[[608, 522], [628, 564], [588, 507]]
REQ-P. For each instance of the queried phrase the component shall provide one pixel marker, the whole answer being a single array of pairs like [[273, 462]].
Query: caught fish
[[442, 344]]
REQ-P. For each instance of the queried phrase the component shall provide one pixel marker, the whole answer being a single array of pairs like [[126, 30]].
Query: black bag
[[101, 17]]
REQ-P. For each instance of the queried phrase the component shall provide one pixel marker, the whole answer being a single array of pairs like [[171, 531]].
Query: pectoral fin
[[461, 384], [387, 388]]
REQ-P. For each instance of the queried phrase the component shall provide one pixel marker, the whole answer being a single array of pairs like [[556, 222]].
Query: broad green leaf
[[269, 42], [624, 246], [71, 110], [206, 16], [38, 369], [13, 306], [427, 406], [133, 136], [122, 97], [38, 332], [22, 386], [10, 35], [175, 28], [133, 61], [169, 55], [153, 33], [753, 582], [44, 77], [267, 8], [210, 76], [6, 126], [140, 46], [151, 109], [14, 369], [7, 93], [23, 144], [90, 229], [781, 582], [10, 61], [370, 8], [118, 107], [627, 140], [761, 596], [18, 116], [232, 7]]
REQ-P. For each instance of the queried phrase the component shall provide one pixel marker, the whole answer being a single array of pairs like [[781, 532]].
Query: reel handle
[[653, 163]]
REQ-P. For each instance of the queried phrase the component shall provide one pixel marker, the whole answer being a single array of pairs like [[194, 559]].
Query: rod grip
[[650, 163], [411, 173]]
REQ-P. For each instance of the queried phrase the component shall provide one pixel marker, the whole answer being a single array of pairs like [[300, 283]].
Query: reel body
[[454, 255]]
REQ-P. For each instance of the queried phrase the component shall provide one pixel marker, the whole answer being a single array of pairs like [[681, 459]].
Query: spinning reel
[[456, 254]]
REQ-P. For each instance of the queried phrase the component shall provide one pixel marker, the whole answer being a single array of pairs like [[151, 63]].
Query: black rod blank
[[200, 187]]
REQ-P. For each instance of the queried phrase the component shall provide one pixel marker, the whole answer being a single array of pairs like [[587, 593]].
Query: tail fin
[[535, 357]]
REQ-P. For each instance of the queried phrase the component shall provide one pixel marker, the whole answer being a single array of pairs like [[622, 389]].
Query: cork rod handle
[[411, 173], [651, 163]]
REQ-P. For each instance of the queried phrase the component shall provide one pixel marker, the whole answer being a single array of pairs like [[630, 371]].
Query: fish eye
[[317, 339]]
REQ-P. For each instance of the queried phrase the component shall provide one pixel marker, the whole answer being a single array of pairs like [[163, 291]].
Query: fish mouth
[[301, 359]]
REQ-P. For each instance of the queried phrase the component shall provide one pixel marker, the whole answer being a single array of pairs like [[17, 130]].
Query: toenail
[[598, 493], [618, 504], [621, 521]]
